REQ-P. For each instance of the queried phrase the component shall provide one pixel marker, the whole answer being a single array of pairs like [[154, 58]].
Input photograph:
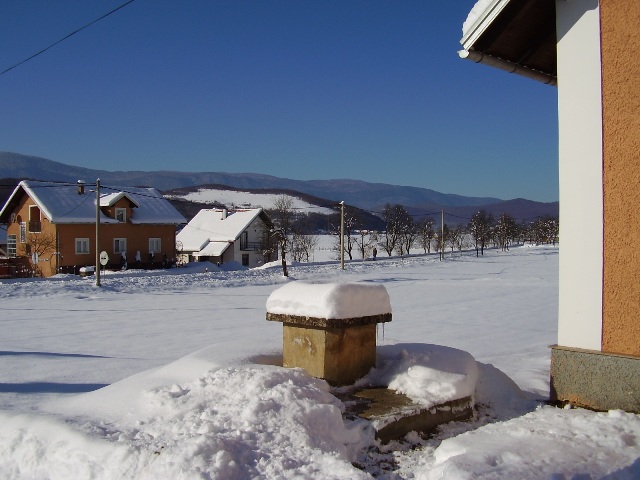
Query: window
[[244, 240], [245, 259], [82, 246], [121, 214], [23, 232], [154, 245], [34, 219], [119, 245], [11, 246]]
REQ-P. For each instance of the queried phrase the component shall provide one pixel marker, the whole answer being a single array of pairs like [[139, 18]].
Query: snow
[[61, 203], [215, 225], [427, 374], [237, 199], [174, 374], [476, 12], [329, 300]]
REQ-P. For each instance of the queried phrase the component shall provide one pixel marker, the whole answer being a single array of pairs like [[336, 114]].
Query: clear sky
[[305, 89]]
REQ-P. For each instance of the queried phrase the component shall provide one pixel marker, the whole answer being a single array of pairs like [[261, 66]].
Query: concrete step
[[393, 415]]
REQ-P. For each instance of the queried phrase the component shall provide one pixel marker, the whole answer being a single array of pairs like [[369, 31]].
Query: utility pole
[[98, 232], [342, 235], [442, 237]]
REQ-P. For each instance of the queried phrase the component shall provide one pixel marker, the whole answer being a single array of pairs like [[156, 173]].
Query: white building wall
[[254, 236], [580, 164]]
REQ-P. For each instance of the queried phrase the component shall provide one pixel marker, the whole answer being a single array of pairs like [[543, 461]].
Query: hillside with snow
[[238, 199], [175, 374]]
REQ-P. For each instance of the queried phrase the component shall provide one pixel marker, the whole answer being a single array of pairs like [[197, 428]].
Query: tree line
[[293, 235]]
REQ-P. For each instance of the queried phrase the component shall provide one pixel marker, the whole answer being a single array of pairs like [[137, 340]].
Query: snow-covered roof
[[61, 203], [215, 225], [111, 199], [480, 15], [213, 249]]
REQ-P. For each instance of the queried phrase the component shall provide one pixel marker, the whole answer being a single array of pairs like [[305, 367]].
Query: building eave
[[515, 36]]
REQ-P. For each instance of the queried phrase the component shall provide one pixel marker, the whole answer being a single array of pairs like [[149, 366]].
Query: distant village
[[49, 228]]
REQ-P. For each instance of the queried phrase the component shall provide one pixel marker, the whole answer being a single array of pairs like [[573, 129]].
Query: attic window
[[121, 214]]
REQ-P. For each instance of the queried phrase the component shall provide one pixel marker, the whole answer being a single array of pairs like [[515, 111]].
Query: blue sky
[[371, 90]]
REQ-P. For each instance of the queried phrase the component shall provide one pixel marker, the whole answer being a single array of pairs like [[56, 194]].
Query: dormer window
[[121, 214]]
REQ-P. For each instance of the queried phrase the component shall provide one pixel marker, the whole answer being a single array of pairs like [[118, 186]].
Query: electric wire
[[65, 37]]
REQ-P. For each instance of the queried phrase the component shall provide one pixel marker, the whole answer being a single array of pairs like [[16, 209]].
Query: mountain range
[[364, 195]]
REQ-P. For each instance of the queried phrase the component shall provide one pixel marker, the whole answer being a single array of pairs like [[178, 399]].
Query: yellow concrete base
[[338, 355]]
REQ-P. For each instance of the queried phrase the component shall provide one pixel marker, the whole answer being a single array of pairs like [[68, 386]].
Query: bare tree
[[352, 223], [441, 240], [480, 230], [363, 243], [399, 228], [426, 233], [37, 245], [268, 244], [461, 237], [545, 230], [454, 236], [505, 230], [302, 246], [408, 232], [282, 216]]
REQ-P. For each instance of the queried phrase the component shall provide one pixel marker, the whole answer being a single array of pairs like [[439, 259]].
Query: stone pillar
[[341, 349]]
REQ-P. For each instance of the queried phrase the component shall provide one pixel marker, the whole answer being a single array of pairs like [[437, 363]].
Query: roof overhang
[[518, 36]]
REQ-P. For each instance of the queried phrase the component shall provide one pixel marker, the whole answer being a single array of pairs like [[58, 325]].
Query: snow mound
[[547, 443], [428, 374], [251, 421]]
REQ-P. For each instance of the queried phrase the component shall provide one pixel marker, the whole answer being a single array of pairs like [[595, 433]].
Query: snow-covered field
[[237, 199], [174, 374]]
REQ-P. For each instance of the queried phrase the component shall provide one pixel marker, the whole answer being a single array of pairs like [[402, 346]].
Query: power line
[[66, 37]]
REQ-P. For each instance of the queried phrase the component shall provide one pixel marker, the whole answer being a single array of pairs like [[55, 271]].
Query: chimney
[[224, 213], [81, 187]]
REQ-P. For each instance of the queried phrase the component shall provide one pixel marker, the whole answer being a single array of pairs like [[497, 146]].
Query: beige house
[[51, 226], [590, 48], [221, 236]]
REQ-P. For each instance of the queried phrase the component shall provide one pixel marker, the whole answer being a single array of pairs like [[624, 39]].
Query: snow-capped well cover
[[329, 300]]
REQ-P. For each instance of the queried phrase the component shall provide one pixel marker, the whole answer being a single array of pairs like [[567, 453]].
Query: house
[[52, 226], [221, 236], [590, 47]]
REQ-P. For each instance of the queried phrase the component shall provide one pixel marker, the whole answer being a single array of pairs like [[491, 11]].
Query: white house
[[221, 236], [589, 49]]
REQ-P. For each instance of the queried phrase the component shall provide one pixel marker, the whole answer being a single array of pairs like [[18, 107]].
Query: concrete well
[[330, 329]]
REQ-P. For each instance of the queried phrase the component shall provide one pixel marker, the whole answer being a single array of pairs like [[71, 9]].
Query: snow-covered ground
[[173, 374], [237, 199]]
